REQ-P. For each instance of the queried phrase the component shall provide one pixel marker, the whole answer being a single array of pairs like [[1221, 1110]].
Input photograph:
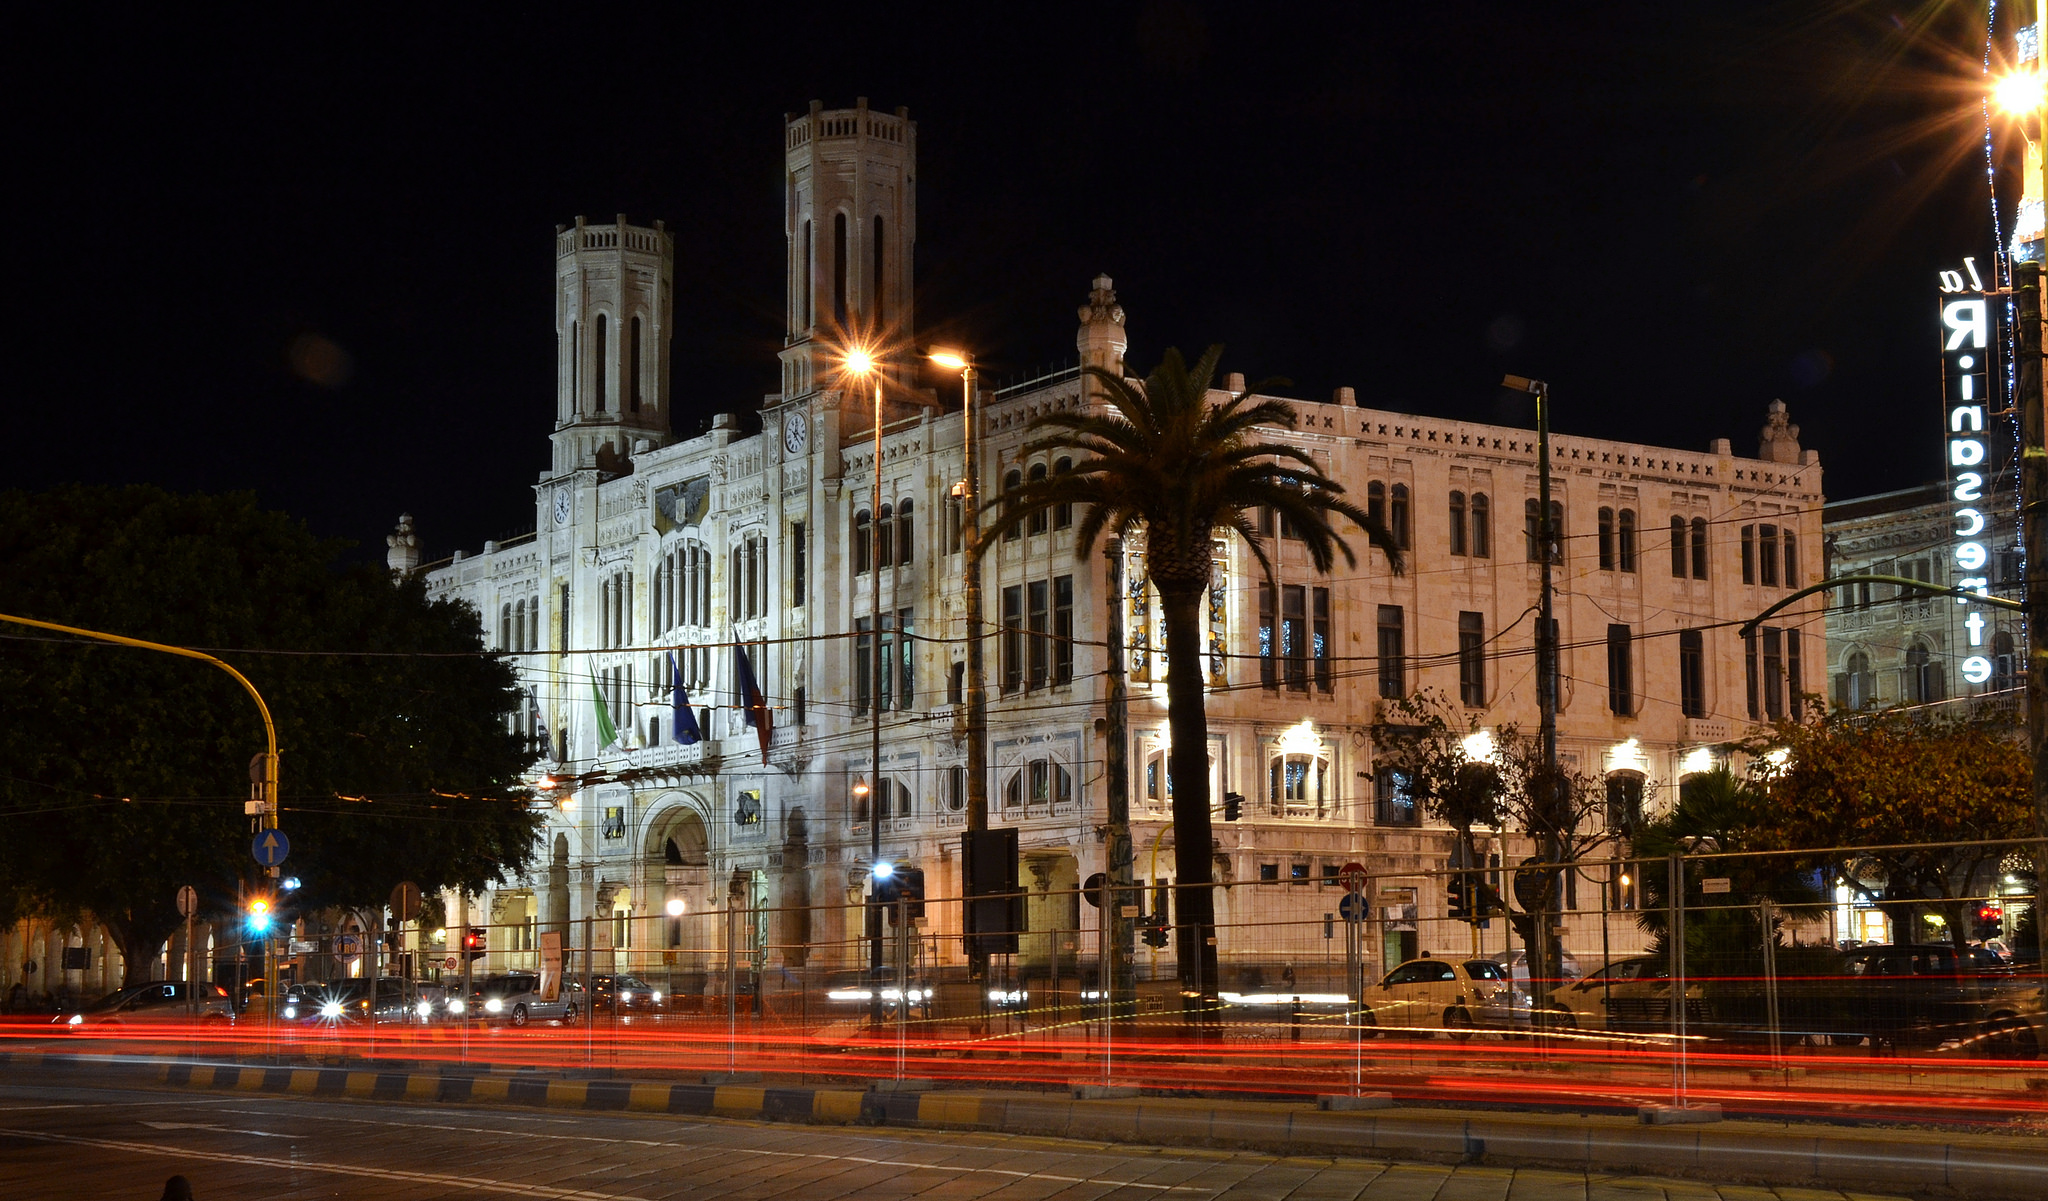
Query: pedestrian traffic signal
[[1233, 806], [475, 942]]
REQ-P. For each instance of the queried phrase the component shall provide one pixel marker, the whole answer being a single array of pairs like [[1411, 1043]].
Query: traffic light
[[1154, 929], [1233, 806], [900, 890], [1460, 894], [475, 942], [259, 916]]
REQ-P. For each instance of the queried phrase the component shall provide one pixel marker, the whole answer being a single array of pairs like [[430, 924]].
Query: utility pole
[[2034, 539], [1116, 962], [1549, 806]]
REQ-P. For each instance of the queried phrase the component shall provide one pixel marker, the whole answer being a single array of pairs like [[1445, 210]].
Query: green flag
[[607, 733]]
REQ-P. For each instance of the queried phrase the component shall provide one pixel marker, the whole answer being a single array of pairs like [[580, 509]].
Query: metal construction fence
[[1879, 977]]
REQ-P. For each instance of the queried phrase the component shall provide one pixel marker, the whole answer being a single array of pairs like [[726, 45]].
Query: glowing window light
[[1301, 739], [1697, 760], [1479, 746]]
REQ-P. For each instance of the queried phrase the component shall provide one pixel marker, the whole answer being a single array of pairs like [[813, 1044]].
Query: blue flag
[[752, 703], [686, 730]]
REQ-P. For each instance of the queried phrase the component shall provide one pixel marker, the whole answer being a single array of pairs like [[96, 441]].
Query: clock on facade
[[561, 506], [795, 430]]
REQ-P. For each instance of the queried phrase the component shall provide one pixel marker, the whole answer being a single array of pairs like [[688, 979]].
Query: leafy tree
[[127, 769], [1167, 460], [1505, 786], [1915, 789]]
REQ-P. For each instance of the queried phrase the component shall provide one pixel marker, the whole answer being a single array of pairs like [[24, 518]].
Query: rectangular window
[[1792, 558], [1699, 548], [956, 684], [1393, 652], [1625, 539], [1621, 698], [1267, 676], [797, 568], [1457, 523], [1767, 555], [863, 664], [955, 511], [1482, 527], [1041, 626], [1692, 673], [1678, 548], [1063, 629], [1605, 532], [888, 648], [1319, 613], [1393, 801], [906, 656], [1294, 635], [1793, 684], [1749, 679], [1013, 638], [1749, 554], [1472, 658], [1774, 672]]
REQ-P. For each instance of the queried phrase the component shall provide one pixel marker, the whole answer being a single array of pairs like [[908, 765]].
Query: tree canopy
[[128, 769], [1168, 463]]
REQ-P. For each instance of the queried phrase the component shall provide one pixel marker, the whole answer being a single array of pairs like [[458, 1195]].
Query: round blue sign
[[270, 847]]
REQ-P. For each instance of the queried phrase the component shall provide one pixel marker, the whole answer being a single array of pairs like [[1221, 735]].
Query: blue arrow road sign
[[270, 847], [1352, 906]]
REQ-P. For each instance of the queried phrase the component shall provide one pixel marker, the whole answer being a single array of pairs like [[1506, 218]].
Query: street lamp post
[[977, 693], [863, 364], [1550, 805]]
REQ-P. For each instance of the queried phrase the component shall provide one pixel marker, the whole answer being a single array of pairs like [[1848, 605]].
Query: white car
[[1456, 997], [1628, 994]]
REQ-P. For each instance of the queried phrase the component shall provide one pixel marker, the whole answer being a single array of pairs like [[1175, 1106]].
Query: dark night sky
[[1673, 211]]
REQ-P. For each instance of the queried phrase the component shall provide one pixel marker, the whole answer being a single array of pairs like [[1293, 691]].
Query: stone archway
[[675, 883]]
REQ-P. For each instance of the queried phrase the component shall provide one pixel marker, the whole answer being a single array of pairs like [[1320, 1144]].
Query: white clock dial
[[562, 506], [795, 430]]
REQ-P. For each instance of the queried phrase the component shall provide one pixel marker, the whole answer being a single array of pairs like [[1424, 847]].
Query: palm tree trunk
[[1187, 765]]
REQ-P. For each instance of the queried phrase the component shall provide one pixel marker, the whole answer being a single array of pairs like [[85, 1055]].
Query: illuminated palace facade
[[647, 545]]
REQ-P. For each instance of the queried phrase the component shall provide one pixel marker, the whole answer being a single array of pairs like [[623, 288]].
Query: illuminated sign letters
[[1966, 370]]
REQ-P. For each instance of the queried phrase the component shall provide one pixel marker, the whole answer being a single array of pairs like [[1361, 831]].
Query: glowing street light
[[2019, 93]]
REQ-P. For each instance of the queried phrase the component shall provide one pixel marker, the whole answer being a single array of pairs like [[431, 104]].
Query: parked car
[[1628, 994], [853, 993], [515, 997], [159, 1001], [1455, 996], [620, 993], [336, 1002], [1517, 963], [1932, 995]]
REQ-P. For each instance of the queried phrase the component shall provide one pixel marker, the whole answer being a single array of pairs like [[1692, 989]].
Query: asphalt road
[[123, 1143]]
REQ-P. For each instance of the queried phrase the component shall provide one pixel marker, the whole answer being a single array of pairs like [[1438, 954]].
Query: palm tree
[[1166, 458]]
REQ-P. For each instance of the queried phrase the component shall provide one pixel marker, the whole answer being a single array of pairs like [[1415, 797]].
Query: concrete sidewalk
[[1923, 1163]]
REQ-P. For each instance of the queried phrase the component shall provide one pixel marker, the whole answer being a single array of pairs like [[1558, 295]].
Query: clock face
[[562, 507], [795, 431]]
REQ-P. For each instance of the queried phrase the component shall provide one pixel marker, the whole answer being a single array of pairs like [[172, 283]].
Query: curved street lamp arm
[[1921, 586], [269, 727]]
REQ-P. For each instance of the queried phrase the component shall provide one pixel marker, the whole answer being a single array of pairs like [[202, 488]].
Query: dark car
[[161, 1001], [339, 1002], [1929, 996], [620, 993]]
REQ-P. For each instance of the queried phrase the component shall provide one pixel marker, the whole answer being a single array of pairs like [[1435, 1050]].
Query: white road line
[[296, 1164], [764, 1152]]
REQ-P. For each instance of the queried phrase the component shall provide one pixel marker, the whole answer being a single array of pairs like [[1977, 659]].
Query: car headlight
[[625, 998], [456, 1005], [423, 1009], [655, 997], [331, 1009], [493, 1005], [291, 1011], [77, 1019]]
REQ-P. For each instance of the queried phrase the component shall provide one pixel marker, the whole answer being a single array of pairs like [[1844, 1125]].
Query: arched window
[[603, 362], [1397, 515], [863, 529], [884, 799], [1606, 528], [806, 317], [1482, 527], [1856, 687], [906, 803], [859, 794], [1457, 523], [885, 537], [1037, 520], [1062, 515], [1791, 543], [575, 369], [1013, 479], [905, 521], [505, 627], [1625, 540], [1679, 561], [633, 380], [1921, 681], [1295, 785], [1699, 548]]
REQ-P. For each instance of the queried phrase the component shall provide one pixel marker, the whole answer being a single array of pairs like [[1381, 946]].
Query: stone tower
[[613, 285], [850, 215]]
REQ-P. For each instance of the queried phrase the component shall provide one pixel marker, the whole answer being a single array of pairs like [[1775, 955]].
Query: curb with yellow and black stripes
[[1933, 1164]]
